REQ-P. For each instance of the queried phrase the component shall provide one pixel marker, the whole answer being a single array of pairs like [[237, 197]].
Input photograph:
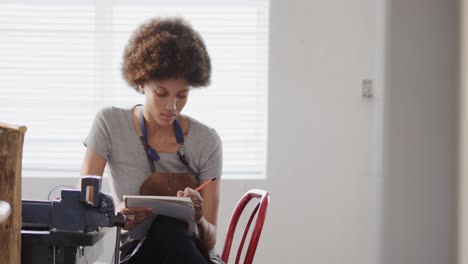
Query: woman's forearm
[[207, 232]]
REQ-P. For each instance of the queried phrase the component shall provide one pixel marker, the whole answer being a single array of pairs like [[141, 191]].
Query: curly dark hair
[[164, 48]]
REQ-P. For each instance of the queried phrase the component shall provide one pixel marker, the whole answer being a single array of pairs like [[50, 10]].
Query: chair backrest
[[260, 211]]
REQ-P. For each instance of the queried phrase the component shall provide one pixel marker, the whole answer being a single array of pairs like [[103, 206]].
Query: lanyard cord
[[151, 154]]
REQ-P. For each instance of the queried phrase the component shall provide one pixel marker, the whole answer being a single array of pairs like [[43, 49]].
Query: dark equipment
[[58, 231]]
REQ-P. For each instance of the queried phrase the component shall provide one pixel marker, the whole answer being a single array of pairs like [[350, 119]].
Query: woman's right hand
[[134, 215]]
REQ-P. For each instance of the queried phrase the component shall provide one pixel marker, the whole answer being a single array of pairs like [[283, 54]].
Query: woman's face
[[164, 100]]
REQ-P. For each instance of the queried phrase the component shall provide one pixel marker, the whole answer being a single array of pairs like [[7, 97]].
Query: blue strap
[[151, 151], [152, 154], [178, 132]]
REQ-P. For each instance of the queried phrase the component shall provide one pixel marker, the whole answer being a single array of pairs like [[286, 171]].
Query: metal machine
[[58, 231]]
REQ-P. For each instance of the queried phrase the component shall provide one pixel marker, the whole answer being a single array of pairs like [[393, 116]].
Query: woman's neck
[[160, 131], [154, 128]]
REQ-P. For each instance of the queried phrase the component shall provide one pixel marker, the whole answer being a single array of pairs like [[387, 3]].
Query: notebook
[[177, 207]]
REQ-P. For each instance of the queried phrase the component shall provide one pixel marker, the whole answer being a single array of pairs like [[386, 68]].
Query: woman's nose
[[171, 104]]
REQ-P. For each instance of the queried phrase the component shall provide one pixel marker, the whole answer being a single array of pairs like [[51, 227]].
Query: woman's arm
[[210, 193], [210, 200], [93, 163], [208, 223]]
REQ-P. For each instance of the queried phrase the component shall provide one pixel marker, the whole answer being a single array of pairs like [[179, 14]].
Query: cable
[[53, 189]]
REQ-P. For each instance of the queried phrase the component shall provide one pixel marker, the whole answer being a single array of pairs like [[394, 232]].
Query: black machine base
[[44, 247]]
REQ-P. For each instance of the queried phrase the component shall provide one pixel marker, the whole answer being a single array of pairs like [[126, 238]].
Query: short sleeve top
[[114, 137]]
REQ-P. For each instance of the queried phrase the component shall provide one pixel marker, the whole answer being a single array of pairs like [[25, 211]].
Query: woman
[[153, 149]]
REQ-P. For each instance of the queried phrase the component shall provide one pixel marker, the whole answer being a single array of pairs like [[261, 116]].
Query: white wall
[[322, 137], [321, 155], [420, 139], [324, 141]]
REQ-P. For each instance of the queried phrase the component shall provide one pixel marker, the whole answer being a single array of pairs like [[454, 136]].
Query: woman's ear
[[141, 88]]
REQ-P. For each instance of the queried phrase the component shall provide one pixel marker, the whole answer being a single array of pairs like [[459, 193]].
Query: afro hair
[[165, 48]]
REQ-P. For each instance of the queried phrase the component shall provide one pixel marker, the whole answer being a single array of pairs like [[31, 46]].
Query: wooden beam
[[11, 154]]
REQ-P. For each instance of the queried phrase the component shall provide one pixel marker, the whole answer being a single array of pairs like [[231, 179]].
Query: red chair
[[260, 211]]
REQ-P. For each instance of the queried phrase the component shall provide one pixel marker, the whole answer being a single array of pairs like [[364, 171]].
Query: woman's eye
[[182, 96], [161, 93]]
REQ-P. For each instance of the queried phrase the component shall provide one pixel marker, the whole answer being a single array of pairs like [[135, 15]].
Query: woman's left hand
[[197, 201]]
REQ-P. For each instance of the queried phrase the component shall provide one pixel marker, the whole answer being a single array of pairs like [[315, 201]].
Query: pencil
[[204, 184]]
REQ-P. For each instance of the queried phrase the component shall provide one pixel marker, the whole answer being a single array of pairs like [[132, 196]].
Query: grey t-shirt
[[114, 137]]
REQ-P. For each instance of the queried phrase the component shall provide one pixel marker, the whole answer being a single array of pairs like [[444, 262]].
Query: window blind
[[60, 63]]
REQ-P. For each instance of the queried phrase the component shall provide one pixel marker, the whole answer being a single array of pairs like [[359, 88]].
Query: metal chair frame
[[260, 211]]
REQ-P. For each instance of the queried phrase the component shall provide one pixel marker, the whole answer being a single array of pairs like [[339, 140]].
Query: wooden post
[[11, 154]]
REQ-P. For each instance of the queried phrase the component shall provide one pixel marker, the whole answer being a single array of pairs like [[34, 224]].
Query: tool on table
[[58, 230]]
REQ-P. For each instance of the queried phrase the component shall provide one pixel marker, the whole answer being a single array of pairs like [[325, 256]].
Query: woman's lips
[[168, 117]]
